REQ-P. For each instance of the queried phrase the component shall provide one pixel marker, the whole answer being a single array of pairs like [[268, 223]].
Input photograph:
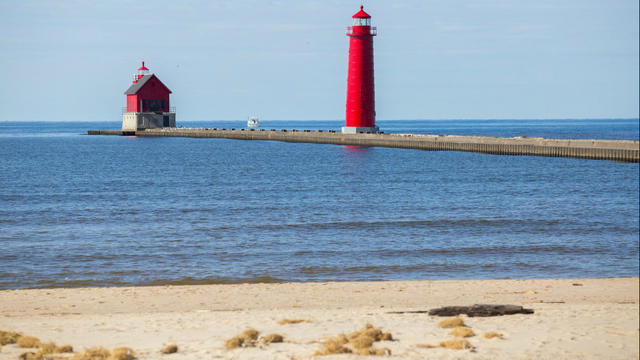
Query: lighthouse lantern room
[[361, 111], [148, 104]]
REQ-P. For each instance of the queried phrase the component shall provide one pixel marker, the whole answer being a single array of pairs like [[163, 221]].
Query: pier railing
[[172, 110]]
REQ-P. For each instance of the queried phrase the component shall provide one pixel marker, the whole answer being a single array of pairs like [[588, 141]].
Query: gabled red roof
[[133, 89], [361, 14]]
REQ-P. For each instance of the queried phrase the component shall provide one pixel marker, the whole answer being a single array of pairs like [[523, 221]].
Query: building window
[[163, 105]]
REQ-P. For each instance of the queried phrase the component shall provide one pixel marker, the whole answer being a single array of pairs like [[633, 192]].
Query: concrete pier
[[616, 150]]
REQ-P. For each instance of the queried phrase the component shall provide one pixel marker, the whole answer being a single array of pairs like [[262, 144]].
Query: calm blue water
[[78, 210]]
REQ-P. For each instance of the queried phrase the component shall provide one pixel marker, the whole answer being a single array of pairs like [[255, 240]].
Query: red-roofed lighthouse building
[[361, 102], [148, 103]]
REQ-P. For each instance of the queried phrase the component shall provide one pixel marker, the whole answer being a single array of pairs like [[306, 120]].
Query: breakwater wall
[[616, 150]]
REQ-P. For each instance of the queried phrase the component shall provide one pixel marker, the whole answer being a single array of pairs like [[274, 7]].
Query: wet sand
[[573, 319]]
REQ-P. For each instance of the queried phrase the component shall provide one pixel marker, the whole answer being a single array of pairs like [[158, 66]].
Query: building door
[[165, 121]]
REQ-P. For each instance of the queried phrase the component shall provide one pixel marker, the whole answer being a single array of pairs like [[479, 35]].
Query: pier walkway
[[616, 150]]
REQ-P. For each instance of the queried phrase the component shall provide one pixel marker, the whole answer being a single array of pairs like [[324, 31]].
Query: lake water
[[79, 210]]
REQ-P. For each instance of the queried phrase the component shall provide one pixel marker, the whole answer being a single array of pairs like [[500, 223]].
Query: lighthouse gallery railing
[[373, 31], [172, 110]]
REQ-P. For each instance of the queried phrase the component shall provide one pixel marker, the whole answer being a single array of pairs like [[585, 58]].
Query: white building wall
[[147, 120]]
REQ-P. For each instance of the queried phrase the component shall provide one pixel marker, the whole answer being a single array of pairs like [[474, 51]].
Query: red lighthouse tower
[[361, 103]]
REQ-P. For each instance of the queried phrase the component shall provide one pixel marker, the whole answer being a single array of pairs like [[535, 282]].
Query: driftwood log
[[480, 310]]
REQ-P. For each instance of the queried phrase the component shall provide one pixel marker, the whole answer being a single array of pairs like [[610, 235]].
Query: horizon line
[[294, 120]]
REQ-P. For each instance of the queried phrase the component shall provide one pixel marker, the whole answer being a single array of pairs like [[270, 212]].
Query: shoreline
[[278, 281], [574, 318]]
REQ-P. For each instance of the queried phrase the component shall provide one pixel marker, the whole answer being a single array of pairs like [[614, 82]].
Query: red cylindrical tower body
[[361, 103]]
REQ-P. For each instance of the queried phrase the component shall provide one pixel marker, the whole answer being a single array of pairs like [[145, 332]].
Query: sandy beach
[[573, 319]]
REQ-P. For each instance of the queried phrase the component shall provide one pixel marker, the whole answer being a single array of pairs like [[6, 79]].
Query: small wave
[[217, 280], [443, 223], [81, 283], [374, 272], [52, 284]]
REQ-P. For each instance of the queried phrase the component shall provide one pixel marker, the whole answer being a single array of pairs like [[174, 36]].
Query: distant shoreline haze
[[338, 120]]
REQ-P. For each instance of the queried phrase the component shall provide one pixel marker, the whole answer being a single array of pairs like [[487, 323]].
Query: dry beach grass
[[462, 331], [170, 349], [450, 323]]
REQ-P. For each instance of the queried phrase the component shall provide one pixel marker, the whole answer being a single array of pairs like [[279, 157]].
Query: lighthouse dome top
[[361, 14]]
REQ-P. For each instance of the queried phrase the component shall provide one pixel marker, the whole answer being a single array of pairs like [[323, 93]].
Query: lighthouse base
[[360, 129], [147, 120]]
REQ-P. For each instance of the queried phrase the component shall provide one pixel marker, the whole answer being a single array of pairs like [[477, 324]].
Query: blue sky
[[453, 59]]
